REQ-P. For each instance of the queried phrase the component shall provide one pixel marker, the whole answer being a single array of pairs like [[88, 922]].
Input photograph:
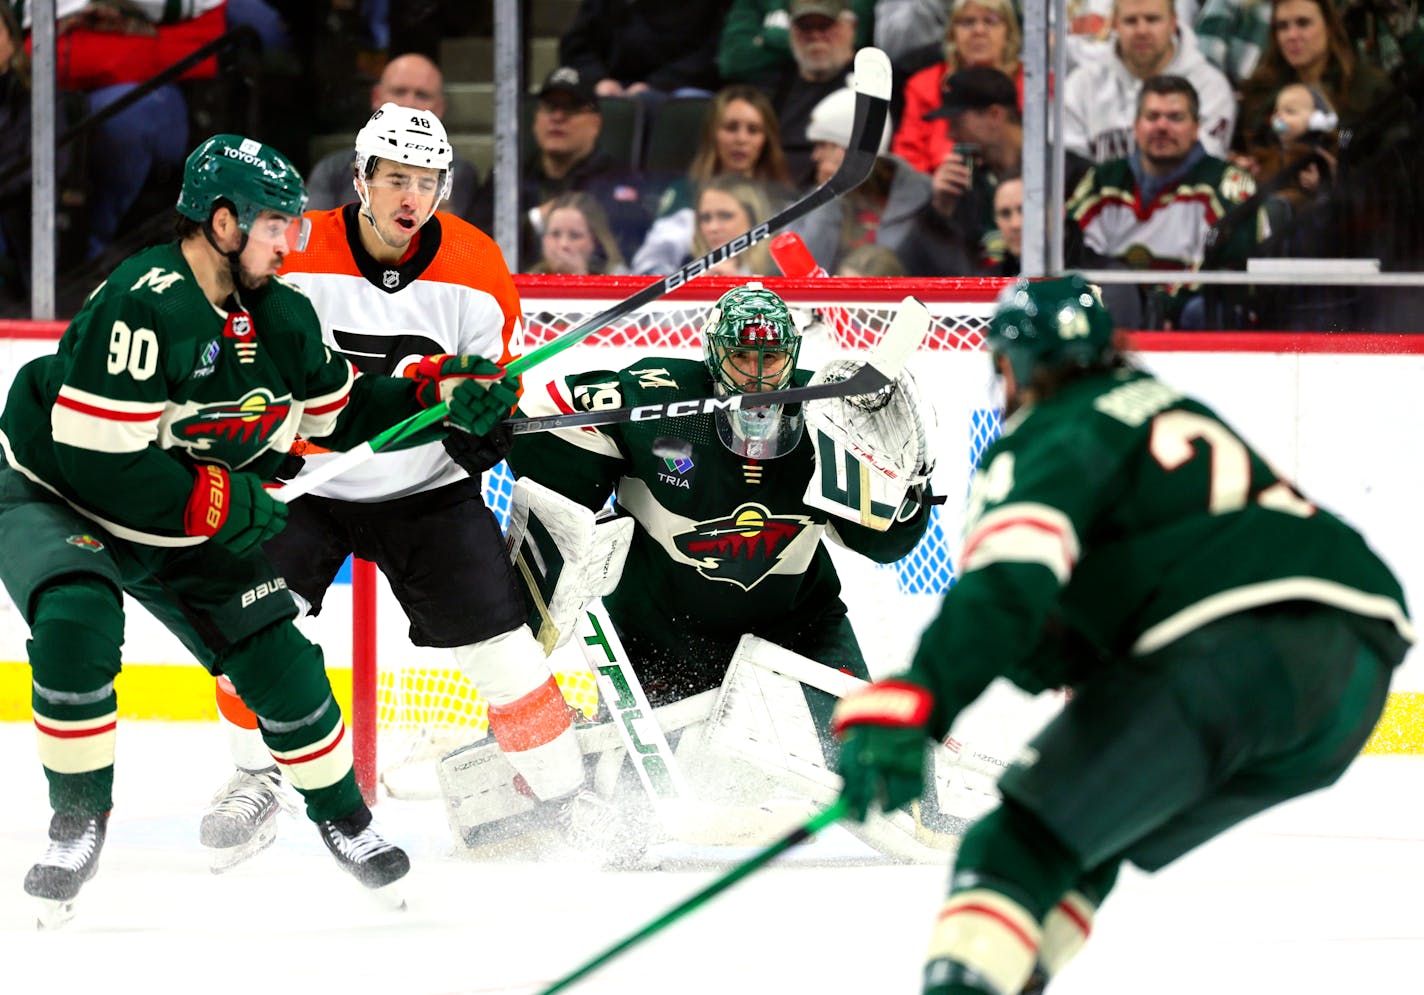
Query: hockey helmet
[[1050, 324], [405, 135], [252, 177], [750, 344]]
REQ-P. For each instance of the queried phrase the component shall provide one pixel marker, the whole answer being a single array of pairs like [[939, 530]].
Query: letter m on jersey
[[157, 279]]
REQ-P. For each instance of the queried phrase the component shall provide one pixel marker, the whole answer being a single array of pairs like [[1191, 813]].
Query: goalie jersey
[[1117, 516], [150, 378], [722, 544], [450, 294]]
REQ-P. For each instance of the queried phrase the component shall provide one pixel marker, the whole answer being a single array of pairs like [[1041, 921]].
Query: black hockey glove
[[477, 453]]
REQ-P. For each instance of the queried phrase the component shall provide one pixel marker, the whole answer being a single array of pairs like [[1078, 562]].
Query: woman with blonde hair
[[577, 239], [979, 33], [741, 137], [727, 206]]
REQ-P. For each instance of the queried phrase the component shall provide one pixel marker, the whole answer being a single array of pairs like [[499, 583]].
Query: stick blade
[[872, 73], [906, 332]]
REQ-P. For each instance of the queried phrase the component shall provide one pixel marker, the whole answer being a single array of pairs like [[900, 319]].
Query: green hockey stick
[[872, 82], [798, 835]]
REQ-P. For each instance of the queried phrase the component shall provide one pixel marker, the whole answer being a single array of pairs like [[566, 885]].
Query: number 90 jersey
[[1132, 515]]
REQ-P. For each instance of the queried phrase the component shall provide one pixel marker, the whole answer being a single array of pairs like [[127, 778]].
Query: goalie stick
[[872, 84], [908, 329]]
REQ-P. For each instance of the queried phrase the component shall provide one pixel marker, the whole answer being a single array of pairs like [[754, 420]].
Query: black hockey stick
[[903, 337], [872, 83], [798, 835]]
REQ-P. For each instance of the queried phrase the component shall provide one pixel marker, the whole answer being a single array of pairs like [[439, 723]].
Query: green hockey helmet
[[249, 175], [750, 342], [1050, 324]]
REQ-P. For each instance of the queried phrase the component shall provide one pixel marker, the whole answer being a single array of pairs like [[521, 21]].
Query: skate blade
[[228, 857], [53, 913], [390, 897]]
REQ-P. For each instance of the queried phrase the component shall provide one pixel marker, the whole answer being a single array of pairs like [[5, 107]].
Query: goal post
[[422, 705]]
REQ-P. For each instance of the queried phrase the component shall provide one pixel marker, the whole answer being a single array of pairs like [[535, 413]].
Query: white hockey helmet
[[408, 135]]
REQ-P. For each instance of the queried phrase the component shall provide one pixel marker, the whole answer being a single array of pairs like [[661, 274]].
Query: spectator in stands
[[979, 33], [1003, 247], [1308, 44], [566, 126], [881, 211], [411, 81], [1155, 208], [728, 206], [740, 135], [982, 105], [1100, 98], [577, 240], [1232, 34], [823, 47], [756, 44], [645, 48], [870, 261], [106, 51]]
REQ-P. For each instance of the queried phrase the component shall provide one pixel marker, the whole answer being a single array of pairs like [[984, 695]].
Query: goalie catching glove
[[873, 463], [232, 509], [882, 731], [479, 392]]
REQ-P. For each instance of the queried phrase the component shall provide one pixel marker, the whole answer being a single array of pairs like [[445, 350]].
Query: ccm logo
[[263, 589]]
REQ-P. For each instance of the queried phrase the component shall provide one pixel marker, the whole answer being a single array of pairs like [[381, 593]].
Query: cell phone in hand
[[968, 151]]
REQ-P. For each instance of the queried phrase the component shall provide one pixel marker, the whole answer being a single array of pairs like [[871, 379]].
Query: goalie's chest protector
[[713, 525]]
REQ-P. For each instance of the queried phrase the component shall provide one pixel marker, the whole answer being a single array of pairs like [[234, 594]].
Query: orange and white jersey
[[451, 293]]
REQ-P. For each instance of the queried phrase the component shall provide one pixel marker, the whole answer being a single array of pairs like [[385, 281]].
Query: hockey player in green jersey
[[1228, 643], [135, 462], [724, 543]]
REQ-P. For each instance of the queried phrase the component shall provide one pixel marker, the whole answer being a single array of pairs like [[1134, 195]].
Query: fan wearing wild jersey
[[724, 542], [1229, 643], [135, 462], [400, 290]]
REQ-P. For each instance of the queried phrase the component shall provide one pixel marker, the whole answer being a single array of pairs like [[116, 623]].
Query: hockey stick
[[872, 83], [798, 835], [908, 329]]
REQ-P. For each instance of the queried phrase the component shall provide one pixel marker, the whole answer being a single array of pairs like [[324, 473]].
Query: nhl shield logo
[[390, 279]]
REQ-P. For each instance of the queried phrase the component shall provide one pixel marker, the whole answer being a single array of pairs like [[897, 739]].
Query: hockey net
[[423, 706]]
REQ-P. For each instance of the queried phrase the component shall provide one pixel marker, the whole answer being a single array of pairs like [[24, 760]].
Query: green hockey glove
[[478, 405], [436, 377], [882, 754], [233, 509]]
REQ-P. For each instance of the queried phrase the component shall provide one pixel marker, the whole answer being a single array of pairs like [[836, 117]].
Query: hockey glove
[[477, 453], [233, 509], [883, 742], [436, 377], [477, 406]]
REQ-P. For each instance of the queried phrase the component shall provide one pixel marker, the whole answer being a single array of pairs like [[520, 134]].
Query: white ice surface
[[1320, 897]]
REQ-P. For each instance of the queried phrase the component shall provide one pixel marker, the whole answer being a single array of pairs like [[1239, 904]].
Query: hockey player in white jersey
[[401, 289]]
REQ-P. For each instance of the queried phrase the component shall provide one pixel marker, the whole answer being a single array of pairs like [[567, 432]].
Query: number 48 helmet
[[403, 135], [750, 344], [1050, 325]]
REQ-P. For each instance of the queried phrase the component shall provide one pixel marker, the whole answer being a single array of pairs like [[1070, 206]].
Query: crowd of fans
[[1198, 135]]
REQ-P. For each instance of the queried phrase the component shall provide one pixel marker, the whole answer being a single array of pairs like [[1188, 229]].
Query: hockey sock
[[528, 716], [244, 739], [75, 635], [1068, 924], [279, 674], [1009, 874]]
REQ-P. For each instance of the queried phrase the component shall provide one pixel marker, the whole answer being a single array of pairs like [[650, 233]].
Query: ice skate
[[242, 819], [71, 859], [366, 856]]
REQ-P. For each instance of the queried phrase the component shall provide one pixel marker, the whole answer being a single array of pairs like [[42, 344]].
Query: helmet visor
[[280, 230]]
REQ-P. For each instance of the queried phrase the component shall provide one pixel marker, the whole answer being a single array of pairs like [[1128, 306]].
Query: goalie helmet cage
[[411, 705]]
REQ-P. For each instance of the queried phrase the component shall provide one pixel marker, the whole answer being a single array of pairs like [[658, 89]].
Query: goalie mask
[[750, 344]]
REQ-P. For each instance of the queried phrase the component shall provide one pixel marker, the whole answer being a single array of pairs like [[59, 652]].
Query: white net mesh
[[426, 707]]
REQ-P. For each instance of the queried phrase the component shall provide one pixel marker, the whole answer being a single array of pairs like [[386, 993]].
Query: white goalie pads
[[872, 451], [567, 556]]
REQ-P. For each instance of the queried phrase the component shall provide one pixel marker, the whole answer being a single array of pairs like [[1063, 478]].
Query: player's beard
[[251, 281]]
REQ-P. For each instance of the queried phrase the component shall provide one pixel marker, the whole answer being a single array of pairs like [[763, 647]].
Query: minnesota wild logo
[[743, 547], [85, 542], [233, 431]]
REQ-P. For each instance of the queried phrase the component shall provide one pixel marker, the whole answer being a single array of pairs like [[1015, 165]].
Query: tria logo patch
[[208, 359], [743, 547], [676, 458], [232, 433], [86, 542]]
